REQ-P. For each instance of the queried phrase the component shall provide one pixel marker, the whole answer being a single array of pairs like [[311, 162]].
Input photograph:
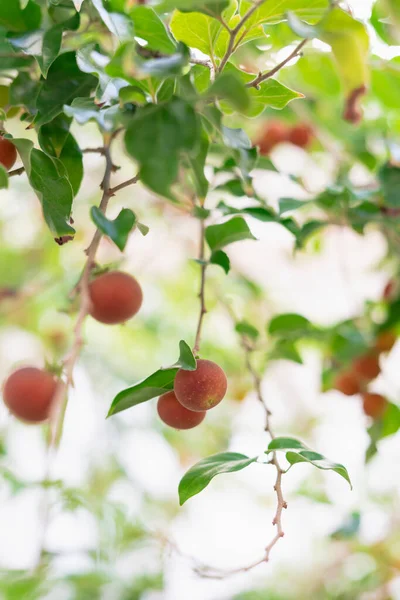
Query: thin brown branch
[[281, 504], [264, 76], [61, 398], [18, 171], [124, 184], [234, 32], [99, 150], [203, 309]]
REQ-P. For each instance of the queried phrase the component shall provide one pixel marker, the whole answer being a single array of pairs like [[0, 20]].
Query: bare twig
[[263, 76], [124, 184], [281, 504], [16, 172], [234, 32], [204, 62], [99, 150], [203, 309]]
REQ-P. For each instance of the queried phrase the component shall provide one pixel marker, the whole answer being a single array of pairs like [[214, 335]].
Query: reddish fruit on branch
[[175, 415], [374, 405], [28, 393], [385, 341], [367, 366], [300, 135], [115, 297], [348, 383], [201, 389], [8, 153], [273, 133]]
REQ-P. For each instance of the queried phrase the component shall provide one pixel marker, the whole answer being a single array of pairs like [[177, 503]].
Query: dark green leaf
[[234, 230], [229, 87], [48, 178], [304, 454], [84, 110], [120, 25], [158, 383], [3, 177], [389, 176], [289, 324], [149, 27], [199, 476], [219, 257], [197, 164], [14, 18], [45, 45], [245, 328], [117, 230], [186, 360], [156, 138], [65, 81]]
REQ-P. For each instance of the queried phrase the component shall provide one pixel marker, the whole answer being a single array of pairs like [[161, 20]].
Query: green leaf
[[289, 324], [186, 360], [150, 28], [144, 230], [304, 454], [3, 177], [156, 384], [119, 25], [230, 88], [235, 138], [56, 140], [286, 443], [65, 81], [349, 41], [275, 11], [199, 31], [245, 328], [15, 18], [222, 259], [84, 110], [199, 476], [208, 6], [24, 91], [156, 137], [319, 461], [270, 93], [285, 350], [90, 61], [45, 45], [48, 178], [117, 230], [389, 176], [165, 66], [234, 230], [197, 163]]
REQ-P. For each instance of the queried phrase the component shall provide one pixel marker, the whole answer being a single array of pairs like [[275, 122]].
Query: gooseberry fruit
[[115, 297], [175, 415], [201, 389], [28, 393], [374, 405]]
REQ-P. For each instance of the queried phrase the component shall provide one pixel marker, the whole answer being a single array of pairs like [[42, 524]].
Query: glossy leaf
[[199, 476], [15, 18], [45, 45], [186, 358], [219, 257], [153, 386], [117, 230], [84, 110], [156, 137], [119, 25], [149, 27], [48, 178], [297, 452], [234, 230], [65, 81]]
